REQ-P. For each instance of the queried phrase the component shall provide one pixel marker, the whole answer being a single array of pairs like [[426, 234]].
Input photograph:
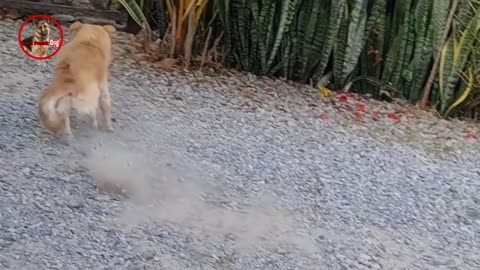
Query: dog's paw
[[108, 127], [67, 140]]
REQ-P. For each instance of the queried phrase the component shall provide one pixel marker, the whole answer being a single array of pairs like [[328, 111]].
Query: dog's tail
[[53, 107]]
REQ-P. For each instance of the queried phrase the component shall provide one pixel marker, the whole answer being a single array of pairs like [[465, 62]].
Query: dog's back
[[80, 80]]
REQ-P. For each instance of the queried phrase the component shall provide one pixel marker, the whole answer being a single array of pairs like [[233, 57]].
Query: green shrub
[[363, 45]]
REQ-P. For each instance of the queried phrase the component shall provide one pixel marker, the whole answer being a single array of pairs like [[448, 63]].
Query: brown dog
[[38, 44], [80, 82]]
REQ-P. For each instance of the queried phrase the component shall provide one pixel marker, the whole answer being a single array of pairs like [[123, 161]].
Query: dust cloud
[[166, 188]]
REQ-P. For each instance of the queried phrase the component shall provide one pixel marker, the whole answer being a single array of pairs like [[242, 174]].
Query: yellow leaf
[[441, 70], [465, 93], [324, 91], [188, 10], [201, 8]]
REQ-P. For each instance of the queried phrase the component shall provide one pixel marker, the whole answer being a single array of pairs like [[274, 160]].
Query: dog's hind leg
[[92, 119], [63, 109], [68, 128], [105, 106]]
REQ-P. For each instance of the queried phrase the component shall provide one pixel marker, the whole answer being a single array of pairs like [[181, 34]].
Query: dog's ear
[[74, 27], [35, 22], [38, 21], [109, 29]]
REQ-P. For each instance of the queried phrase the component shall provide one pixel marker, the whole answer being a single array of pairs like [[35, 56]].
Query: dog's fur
[[38, 44], [80, 82]]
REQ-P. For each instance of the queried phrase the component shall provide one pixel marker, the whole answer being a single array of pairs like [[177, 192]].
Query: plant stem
[[205, 47], [428, 86]]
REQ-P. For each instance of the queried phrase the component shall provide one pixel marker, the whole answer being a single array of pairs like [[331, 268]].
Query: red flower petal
[[361, 108], [324, 117], [393, 116], [470, 136], [343, 98]]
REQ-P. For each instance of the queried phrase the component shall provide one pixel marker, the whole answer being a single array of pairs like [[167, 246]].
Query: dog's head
[[42, 27], [92, 30], [99, 36]]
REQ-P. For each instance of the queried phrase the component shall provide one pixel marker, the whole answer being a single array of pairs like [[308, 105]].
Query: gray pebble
[[376, 192]]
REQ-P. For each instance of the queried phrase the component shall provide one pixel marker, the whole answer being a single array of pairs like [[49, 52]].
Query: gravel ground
[[230, 172]]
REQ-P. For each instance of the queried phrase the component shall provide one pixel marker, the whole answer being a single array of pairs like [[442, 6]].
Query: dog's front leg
[[67, 138], [105, 106], [68, 128]]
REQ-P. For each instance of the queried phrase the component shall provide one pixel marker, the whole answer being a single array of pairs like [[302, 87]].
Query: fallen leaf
[[393, 116], [324, 91], [139, 56], [470, 136], [343, 98], [166, 63]]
